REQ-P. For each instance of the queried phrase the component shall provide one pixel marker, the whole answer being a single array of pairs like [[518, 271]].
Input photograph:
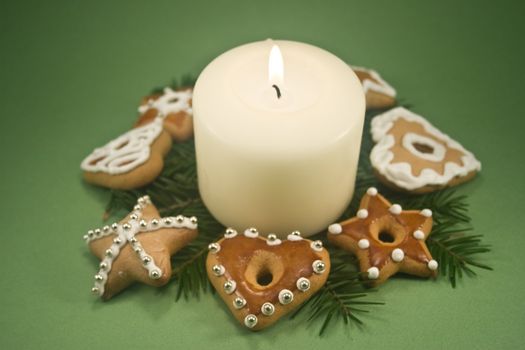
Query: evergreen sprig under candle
[[344, 296]]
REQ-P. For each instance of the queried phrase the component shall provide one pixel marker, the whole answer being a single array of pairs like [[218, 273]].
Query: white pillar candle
[[277, 163]]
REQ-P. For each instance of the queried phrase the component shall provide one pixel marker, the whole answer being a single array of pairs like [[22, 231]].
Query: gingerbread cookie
[[262, 279], [138, 249], [386, 239], [412, 155], [175, 107], [132, 160], [378, 93]]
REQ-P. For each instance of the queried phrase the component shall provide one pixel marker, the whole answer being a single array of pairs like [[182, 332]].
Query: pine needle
[[344, 296]]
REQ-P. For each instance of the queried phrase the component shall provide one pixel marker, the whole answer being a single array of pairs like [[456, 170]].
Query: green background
[[72, 74]]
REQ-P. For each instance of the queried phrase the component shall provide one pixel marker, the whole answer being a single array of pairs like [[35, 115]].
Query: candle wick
[[277, 90]]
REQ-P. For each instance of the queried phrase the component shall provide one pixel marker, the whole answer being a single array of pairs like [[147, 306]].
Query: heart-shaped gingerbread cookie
[[262, 279]]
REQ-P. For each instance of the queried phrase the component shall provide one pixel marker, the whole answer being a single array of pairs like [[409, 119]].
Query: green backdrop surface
[[72, 73]]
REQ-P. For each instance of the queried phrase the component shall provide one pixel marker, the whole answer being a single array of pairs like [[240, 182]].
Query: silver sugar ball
[[154, 274], [250, 321], [214, 247]]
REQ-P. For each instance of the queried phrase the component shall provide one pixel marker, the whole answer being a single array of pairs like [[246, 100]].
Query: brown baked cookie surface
[[138, 248], [379, 94], [412, 155], [262, 279], [386, 239]]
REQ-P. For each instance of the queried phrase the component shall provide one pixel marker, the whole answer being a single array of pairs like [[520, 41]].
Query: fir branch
[[344, 295], [456, 249]]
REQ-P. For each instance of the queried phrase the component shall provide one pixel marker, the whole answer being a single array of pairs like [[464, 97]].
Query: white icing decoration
[[426, 212], [276, 241], [433, 265], [395, 209], [363, 243], [124, 153], [170, 102], [438, 150], [250, 234], [295, 238], [372, 191], [401, 173], [373, 273], [398, 255], [214, 248], [317, 246], [335, 229], [362, 213], [380, 85], [418, 234], [126, 234]]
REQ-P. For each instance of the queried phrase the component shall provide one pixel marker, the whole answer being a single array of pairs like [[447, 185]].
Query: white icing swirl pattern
[[401, 173], [170, 102], [124, 153]]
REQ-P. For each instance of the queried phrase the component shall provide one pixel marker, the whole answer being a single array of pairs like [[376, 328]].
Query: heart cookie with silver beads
[[262, 279]]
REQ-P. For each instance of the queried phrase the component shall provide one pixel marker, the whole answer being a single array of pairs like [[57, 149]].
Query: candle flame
[[275, 66]]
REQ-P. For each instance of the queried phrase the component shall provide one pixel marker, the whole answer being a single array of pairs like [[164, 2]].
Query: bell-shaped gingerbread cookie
[[175, 108], [378, 93], [412, 155], [132, 160]]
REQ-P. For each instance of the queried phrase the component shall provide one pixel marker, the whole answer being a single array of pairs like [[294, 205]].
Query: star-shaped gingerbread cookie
[[386, 239], [138, 249]]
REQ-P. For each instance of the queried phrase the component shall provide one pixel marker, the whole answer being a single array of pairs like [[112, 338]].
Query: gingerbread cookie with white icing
[[412, 155], [386, 239], [262, 279], [138, 249], [175, 107], [379, 94], [132, 160]]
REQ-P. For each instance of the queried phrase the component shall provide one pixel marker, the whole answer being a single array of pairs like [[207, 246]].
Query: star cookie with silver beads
[[138, 249]]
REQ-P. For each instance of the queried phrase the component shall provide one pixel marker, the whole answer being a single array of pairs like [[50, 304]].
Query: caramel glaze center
[[401, 227], [236, 255], [402, 155]]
